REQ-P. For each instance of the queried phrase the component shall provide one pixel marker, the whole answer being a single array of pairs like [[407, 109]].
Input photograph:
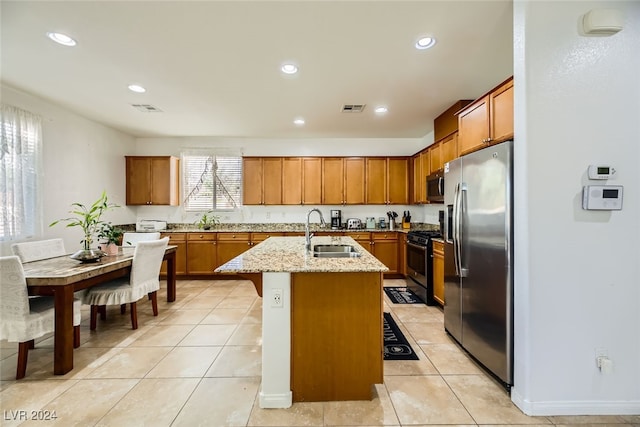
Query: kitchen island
[[321, 320]]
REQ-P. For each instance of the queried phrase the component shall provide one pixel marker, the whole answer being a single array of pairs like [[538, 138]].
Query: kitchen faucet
[[306, 227]]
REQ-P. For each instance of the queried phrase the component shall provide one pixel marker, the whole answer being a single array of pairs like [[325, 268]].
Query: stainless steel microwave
[[435, 187]]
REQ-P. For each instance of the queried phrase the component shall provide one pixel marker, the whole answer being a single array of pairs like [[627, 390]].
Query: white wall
[[288, 147], [577, 284], [80, 159]]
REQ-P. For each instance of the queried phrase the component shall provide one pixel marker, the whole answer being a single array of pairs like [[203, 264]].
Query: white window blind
[[211, 182], [20, 142]]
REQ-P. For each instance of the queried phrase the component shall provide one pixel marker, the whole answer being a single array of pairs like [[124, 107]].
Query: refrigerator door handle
[[463, 272], [456, 235]]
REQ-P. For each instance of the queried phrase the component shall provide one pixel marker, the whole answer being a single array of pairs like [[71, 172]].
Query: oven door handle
[[413, 245]]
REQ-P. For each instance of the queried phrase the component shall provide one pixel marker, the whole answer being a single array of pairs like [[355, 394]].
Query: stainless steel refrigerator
[[478, 310]]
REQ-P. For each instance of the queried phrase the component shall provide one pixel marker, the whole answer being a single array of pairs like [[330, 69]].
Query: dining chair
[[24, 319], [131, 239], [143, 280], [45, 249]]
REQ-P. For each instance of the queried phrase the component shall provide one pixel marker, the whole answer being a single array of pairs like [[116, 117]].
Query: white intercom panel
[[602, 197]]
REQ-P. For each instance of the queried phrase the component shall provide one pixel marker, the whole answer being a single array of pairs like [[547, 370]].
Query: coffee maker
[[336, 219]]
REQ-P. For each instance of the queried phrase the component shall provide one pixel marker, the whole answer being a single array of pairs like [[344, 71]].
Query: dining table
[[61, 276]]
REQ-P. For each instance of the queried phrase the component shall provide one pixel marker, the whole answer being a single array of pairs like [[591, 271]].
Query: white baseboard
[[575, 407], [279, 400]]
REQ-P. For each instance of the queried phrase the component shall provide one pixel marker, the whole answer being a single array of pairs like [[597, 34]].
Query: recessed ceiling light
[[289, 68], [381, 109], [137, 89], [425, 42], [298, 122], [63, 39]]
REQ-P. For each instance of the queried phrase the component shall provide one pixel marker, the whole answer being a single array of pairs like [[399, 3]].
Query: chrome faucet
[[306, 227]]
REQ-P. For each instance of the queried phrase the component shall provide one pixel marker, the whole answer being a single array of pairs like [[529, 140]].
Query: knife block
[[406, 225]]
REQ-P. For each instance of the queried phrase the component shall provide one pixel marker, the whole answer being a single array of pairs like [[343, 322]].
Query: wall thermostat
[[602, 197], [601, 172]]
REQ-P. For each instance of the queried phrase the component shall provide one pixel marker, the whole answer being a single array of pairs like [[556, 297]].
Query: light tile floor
[[199, 363]]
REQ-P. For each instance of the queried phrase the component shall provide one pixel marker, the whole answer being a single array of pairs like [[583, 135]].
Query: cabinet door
[[385, 248], [201, 253], [502, 113], [332, 181], [416, 182], [449, 148], [252, 181], [402, 253], [230, 245], [435, 157], [179, 240], [362, 238], [354, 181], [163, 176], [438, 272], [376, 179], [397, 181], [473, 126], [138, 180], [312, 181], [272, 180], [291, 181]]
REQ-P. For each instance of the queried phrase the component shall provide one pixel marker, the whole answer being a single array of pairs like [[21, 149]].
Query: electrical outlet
[[276, 298], [268, 215]]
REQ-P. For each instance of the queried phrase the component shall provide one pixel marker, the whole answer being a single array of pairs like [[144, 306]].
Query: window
[[211, 181], [20, 147]]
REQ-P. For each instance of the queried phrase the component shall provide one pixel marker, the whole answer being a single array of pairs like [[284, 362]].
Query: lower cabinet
[[179, 240], [230, 245], [201, 253], [385, 248], [438, 272], [402, 253], [363, 239]]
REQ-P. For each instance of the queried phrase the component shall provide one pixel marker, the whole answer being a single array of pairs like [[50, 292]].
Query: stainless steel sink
[[335, 251]]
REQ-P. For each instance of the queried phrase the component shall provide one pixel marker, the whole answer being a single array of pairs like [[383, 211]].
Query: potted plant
[[88, 218], [110, 237], [208, 220]]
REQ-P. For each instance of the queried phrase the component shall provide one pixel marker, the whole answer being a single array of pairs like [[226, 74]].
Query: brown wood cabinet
[[488, 120], [449, 148], [201, 253], [402, 253], [387, 180], [230, 245], [343, 180], [363, 238], [385, 248], [262, 180], [435, 157], [438, 272], [311, 180], [292, 181], [179, 240], [152, 180]]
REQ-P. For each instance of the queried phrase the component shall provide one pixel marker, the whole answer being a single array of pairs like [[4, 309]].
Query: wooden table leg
[[171, 276], [63, 335]]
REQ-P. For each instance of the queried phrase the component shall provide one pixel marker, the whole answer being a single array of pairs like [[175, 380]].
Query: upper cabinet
[[262, 180], [387, 180], [343, 180], [152, 180], [489, 120]]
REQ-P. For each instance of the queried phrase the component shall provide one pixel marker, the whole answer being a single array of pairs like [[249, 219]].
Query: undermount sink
[[335, 251]]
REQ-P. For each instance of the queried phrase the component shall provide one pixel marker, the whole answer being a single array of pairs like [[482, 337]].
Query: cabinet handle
[[249, 243]]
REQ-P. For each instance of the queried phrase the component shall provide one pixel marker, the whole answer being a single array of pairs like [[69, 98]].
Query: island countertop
[[288, 254]]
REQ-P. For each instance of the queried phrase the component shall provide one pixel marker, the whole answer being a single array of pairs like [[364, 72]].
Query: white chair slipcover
[[143, 280], [132, 239], [41, 249], [23, 319], [45, 249]]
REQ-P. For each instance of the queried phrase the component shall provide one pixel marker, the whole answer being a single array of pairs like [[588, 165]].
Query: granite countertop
[[288, 254], [283, 227]]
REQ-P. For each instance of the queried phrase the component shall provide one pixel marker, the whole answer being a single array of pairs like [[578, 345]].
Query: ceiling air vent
[[146, 108], [353, 108]]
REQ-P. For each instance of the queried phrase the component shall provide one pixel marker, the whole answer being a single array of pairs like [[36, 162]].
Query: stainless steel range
[[420, 264]]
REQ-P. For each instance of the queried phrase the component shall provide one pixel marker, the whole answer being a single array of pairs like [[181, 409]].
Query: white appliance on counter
[[150, 225]]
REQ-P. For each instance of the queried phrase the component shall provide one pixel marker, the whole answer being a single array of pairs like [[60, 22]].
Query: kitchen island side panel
[[336, 335]]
